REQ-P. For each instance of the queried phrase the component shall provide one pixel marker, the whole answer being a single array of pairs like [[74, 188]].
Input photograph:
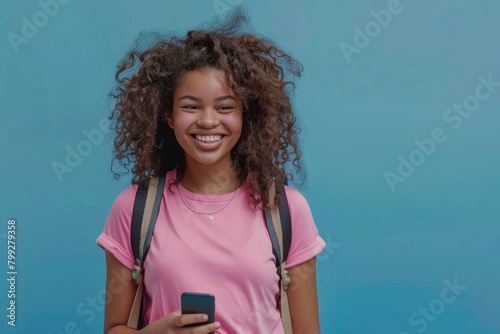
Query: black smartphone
[[193, 302]]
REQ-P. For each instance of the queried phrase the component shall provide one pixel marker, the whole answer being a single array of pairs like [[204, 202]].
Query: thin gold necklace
[[210, 213]]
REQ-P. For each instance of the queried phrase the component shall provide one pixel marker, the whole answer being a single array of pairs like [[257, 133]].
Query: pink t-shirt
[[230, 257]]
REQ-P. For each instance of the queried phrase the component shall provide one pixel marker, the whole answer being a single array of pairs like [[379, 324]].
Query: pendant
[[210, 217]]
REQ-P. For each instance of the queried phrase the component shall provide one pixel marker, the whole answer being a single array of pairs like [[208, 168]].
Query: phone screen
[[193, 302]]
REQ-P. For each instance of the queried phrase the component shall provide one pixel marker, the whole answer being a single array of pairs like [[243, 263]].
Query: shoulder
[[120, 215], [115, 237], [306, 242], [296, 201], [125, 199], [300, 212], [124, 202]]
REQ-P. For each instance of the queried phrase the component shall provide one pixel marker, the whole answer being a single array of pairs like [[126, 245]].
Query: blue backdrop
[[399, 103]]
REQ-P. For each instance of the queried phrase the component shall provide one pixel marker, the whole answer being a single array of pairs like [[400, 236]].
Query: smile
[[208, 139]]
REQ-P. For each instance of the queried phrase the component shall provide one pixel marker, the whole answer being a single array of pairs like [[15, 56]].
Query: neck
[[210, 180]]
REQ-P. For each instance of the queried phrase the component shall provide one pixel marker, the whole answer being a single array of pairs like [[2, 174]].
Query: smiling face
[[206, 117]]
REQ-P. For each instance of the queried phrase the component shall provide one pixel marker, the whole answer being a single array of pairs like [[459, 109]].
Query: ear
[[170, 119]]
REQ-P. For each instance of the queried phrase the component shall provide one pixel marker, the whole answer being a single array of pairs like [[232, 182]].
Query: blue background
[[390, 250]]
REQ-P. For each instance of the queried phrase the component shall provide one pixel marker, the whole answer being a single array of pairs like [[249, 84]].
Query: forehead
[[204, 80]]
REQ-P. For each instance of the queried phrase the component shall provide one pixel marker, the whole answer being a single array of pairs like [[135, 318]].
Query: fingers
[[204, 329], [187, 319], [208, 328], [181, 320]]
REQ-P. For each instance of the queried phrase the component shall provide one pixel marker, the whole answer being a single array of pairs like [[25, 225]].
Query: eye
[[190, 107], [226, 108]]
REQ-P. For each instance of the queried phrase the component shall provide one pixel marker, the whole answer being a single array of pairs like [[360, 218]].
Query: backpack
[[146, 208]]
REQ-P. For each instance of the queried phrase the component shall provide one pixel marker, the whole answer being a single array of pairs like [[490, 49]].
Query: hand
[[174, 323]]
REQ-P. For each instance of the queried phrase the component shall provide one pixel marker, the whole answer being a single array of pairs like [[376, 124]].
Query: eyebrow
[[197, 99]]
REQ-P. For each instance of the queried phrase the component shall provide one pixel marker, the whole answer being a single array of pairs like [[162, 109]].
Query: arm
[[303, 298], [120, 293]]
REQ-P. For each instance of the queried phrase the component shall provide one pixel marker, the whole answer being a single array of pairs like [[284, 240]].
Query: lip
[[202, 133]]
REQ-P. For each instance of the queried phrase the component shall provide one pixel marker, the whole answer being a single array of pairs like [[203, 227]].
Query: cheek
[[236, 123], [178, 122]]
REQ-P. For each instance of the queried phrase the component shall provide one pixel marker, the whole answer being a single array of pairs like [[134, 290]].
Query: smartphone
[[193, 302]]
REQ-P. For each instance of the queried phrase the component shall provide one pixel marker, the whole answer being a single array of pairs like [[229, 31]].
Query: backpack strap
[[280, 230], [146, 207]]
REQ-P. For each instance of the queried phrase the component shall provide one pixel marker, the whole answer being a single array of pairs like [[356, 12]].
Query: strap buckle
[[285, 277], [137, 272]]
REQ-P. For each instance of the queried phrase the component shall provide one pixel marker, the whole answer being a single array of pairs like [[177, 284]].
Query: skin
[[205, 105], [303, 298]]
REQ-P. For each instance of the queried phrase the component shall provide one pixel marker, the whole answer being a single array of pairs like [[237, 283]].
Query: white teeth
[[208, 139]]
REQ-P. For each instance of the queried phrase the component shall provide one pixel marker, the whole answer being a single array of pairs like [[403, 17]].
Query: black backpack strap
[[280, 228], [280, 231], [286, 227], [146, 207]]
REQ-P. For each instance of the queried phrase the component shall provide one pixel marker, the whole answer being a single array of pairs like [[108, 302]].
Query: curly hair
[[255, 69]]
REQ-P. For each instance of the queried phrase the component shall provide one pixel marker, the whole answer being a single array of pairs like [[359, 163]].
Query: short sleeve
[[115, 237], [306, 242]]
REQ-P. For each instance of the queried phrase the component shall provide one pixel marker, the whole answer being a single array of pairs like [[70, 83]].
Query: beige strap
[[148, 210], [286, 319], [133, 319]]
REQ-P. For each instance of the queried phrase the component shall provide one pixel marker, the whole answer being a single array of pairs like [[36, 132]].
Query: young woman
[[212, 111]]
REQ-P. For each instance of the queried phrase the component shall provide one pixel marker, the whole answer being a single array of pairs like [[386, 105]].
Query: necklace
[[210, 213]]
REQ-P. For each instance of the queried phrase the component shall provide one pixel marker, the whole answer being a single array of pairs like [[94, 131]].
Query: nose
[[208, 118]]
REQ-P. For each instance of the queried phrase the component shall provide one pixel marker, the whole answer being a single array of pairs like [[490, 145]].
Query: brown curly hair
[[257, 71]]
